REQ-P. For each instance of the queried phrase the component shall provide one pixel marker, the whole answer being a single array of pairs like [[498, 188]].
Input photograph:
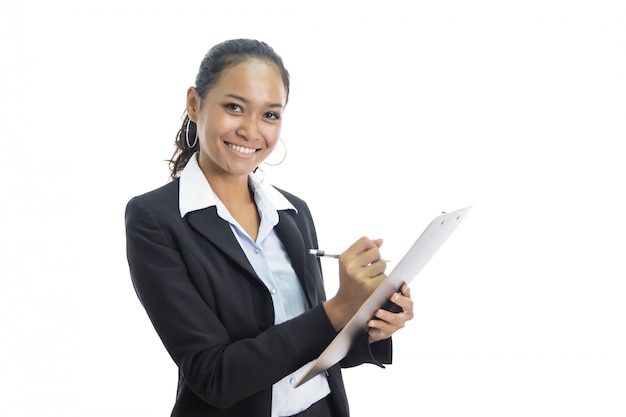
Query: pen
[[321, 253]]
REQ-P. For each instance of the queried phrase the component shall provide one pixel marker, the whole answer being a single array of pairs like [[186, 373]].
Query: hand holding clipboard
[[426, 245]]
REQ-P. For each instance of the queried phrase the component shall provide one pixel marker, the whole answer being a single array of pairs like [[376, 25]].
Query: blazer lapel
[[217, 231]]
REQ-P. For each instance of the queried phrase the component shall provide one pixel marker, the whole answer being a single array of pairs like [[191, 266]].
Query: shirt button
[[256, 251], [292, 380], [273, 291]]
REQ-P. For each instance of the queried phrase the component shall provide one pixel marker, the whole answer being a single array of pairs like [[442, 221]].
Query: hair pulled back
[[219, 58]]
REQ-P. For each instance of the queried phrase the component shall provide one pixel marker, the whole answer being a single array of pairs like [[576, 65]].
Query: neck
[[231, 190], [234, 193]]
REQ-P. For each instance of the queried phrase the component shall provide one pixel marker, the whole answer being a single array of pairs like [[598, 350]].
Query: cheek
[[216, 125], [271, 134]]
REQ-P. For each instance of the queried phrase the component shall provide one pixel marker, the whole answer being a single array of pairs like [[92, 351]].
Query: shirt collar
[[196, 194]]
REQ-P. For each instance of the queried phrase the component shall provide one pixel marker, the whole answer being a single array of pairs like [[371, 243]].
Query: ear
[[193, 104]]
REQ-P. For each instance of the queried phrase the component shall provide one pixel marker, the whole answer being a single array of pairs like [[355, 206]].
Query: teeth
[[241, 148]]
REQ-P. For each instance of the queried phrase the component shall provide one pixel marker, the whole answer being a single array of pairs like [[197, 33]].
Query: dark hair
[[220, 57]]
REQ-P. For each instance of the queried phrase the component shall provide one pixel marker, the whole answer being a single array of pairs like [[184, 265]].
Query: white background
[[396, 114]]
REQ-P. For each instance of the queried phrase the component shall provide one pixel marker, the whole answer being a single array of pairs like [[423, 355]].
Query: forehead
[[253, 79]]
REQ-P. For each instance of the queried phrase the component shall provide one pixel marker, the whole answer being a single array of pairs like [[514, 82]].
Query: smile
[[240, 148]]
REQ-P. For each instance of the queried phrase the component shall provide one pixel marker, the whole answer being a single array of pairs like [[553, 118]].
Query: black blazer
[[215, 316]]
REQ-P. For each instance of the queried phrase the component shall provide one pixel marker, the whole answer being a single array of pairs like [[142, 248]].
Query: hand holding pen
[[361, 271]]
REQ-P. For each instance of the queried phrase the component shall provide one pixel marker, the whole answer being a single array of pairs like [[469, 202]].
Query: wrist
[[336, 313]]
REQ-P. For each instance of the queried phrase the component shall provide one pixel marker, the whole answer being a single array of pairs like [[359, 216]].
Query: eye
[[272, 115], [233, 107]]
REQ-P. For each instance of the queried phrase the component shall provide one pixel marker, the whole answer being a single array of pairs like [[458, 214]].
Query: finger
[[396, 320], [374, 269], [405, 290], [376, 335], [366, 265], [369, 257], [381, 329], [361, 246], [404, 302], [373, 282]]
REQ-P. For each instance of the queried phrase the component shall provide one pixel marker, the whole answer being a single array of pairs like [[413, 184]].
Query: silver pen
[[320, 253]]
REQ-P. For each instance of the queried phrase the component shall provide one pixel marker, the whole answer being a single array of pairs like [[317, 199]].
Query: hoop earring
[[187, 135], [284, 156]]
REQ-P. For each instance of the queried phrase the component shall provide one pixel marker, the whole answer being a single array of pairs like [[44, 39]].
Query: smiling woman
[[238, 121], [222, 56], [219, 259]]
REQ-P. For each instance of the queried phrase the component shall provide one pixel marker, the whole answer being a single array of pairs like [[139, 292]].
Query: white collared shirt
[[270, 261]]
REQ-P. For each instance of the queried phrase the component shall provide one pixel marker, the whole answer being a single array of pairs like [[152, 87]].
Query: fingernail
[[395, 297]]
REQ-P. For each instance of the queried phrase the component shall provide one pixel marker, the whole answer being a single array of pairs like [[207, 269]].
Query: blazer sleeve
[[219, 370], [379, 353]]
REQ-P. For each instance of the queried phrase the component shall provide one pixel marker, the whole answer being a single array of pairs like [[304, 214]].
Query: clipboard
[[426, 245]]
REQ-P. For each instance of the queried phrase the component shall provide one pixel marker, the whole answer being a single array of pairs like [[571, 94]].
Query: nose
[[249, 129]]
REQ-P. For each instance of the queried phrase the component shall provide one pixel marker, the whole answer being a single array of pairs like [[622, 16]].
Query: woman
[[219, 259]]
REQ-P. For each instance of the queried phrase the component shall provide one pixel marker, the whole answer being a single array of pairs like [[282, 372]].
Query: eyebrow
[[271, 105]]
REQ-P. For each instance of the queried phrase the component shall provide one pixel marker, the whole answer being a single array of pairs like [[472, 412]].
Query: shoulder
[[164, 192], [161, 201]]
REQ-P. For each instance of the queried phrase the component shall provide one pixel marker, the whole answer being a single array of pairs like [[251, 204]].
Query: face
[[239, 119]]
